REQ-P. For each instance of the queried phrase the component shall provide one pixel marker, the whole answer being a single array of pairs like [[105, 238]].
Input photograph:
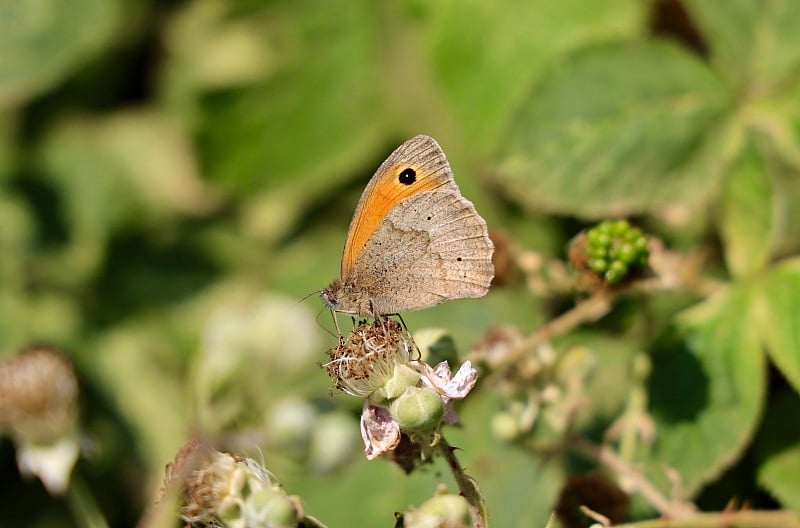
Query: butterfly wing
[[414, 245], [433, 248], [421, 156]]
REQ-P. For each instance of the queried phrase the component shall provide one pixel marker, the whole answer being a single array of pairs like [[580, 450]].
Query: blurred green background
[[175, 176]]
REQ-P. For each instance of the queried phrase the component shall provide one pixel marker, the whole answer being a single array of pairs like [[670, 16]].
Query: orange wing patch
[[385, 195]]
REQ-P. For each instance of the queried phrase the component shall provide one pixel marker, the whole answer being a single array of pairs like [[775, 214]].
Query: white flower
[[367, 360], [450, 388], [52, 463], [381, 431]]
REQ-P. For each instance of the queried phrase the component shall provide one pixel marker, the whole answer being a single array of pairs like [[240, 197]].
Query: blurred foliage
[[176, 176]]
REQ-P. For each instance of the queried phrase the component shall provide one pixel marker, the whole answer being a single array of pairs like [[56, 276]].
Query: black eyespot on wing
[[407, 176], [458, 259]]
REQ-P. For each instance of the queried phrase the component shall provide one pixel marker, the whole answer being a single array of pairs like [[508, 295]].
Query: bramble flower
[[39, 410], [380, 431], [443, 510], [367, 360], [219, 489], [402, 398]]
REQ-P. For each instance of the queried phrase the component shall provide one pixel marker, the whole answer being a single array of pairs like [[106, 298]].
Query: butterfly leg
[[408, 332], [338, 330]]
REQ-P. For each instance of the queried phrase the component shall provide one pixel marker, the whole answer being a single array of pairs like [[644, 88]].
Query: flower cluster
[[216, 488], [402, 397]]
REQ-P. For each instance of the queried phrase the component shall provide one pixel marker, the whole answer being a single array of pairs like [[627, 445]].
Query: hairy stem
[[467, 485]]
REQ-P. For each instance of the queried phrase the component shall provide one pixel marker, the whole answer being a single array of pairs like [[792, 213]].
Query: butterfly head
[[330, 295]]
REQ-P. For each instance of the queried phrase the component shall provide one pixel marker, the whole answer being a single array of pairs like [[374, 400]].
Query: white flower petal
[[456, 387], [381, 433], [51, 463], [442, 370]]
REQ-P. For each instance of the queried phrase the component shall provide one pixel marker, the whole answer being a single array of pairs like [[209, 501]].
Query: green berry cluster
[[615, 248]]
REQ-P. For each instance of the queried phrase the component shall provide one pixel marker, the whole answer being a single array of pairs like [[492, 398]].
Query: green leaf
[[616, 130], [777, 448], [212, 45], [486, 54], [776, 133], [105, 181], [42, 41], [706, 391], [753, 42], [8, 128], [17, 235], [747, 218], [777, 315], [127, 363], [779, 474], [314, 119]]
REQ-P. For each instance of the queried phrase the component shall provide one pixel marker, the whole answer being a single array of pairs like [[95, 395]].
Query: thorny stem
[[673, 271], [467, 485], [670, 509]]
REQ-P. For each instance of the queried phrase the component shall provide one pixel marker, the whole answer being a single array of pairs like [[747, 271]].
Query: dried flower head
[[38, 409], [221, 489], [367, 359], [38, 395]]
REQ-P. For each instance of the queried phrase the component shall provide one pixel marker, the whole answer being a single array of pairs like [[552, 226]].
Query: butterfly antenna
[[319, 324], [315, 292]]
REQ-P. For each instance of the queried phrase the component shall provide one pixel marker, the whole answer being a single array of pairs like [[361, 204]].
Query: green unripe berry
[[505, 426], [616, 272], [627, 253], [597, 252], [402, 378], [594, 237], [619, 227], [418, 409], [453, 510], [598, 265]]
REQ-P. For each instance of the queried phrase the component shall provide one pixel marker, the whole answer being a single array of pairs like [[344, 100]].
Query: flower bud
[[505, 426], [445, 510], [267, 508], [402, 378], [418, 409], [333, 442], [291, 423]]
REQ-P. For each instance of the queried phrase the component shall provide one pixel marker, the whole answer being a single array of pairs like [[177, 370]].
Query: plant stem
[[735, 519], [467, 485], [670, 509], [84, 508], [589, 310]]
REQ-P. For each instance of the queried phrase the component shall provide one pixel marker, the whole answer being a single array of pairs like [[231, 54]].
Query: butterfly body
[[414, 241]]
